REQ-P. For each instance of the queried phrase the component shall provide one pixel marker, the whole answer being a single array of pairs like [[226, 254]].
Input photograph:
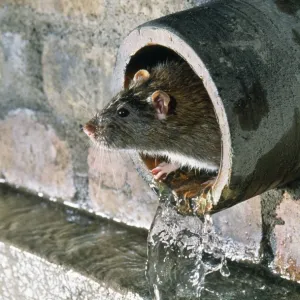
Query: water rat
[[164, 112]]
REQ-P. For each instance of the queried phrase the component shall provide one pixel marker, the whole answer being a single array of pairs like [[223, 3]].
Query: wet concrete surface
[[98, 249]]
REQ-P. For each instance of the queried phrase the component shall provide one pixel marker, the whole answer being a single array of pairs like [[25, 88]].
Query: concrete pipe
[[247, 53]]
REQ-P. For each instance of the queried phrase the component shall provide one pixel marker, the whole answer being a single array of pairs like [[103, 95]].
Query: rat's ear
[[160, 101], [141, 76]]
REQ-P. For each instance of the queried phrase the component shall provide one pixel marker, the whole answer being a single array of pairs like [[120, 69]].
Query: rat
[[165, 112]]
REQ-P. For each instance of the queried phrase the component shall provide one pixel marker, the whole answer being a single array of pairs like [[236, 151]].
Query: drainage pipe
[[247, 53]]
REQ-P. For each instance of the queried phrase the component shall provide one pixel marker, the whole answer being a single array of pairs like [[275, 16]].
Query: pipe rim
[[152, 35]]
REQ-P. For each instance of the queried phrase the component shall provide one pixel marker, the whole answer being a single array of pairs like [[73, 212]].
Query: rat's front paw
[[163, 170], [208, 184]]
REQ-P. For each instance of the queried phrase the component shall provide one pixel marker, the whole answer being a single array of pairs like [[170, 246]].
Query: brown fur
[[190, 127]]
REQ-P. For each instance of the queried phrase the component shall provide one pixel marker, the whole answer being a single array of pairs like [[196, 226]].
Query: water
[[182, 251], [184, 261], [99, 249]]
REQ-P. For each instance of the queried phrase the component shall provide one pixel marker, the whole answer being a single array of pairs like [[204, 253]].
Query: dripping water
[[182, 251]]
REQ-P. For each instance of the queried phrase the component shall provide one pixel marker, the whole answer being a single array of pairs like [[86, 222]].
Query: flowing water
[[104, 251], [184, 260], [182, 251]]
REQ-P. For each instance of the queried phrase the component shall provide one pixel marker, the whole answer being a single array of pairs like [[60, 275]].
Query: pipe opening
[[187, 184]]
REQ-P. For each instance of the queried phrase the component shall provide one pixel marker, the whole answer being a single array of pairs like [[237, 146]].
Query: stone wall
[[56, 63]]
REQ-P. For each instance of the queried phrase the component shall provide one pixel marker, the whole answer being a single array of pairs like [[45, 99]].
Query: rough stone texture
[[66, 7], [240, 228], [34, 157], [19, 78], [117, 191], [13, 63], [76, 76], [100, 8], [286, 238]]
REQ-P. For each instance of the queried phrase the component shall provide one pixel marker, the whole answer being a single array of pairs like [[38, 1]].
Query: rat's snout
[[89, 129]]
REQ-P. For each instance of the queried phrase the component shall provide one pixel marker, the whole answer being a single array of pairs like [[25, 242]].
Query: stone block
[[32, 156], [76, 77], [240, 229], [18, 78], [286, 239], [109, 9], [65, 7], [122, 16], [117, 191]]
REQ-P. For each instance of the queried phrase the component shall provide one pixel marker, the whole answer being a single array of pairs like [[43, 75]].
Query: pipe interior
[[186, 183]]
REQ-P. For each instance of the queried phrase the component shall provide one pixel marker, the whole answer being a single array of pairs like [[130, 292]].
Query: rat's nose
[[89, 129]]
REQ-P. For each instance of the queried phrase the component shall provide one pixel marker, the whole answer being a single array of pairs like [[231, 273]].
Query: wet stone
[[286, 239], [48, 251], [240, 229]]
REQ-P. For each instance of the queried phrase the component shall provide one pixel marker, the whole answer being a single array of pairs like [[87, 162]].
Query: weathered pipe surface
[[248, 54]]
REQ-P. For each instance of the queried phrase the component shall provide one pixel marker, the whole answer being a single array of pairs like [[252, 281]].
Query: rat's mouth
[[190, 187]]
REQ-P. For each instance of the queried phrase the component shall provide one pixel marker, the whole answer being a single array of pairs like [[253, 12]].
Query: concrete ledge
[[20, 270], [48, 251]]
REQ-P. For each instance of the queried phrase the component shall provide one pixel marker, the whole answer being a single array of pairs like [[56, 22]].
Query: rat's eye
[[122, 112]]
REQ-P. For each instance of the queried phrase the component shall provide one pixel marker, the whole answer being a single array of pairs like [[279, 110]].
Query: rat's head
[[133, 117]]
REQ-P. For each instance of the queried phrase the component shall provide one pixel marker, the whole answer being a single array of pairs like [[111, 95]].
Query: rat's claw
[[163, 170], [208, 184]]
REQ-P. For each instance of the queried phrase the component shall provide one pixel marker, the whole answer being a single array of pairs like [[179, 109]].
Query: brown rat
[[165, 112]]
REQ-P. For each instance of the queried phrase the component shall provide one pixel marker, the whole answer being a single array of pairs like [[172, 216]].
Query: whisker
[[113, 171], [87, 144], [97, 153], [99, 158]]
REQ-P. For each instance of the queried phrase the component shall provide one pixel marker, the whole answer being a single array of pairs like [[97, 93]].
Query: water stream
[[186, 261]]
